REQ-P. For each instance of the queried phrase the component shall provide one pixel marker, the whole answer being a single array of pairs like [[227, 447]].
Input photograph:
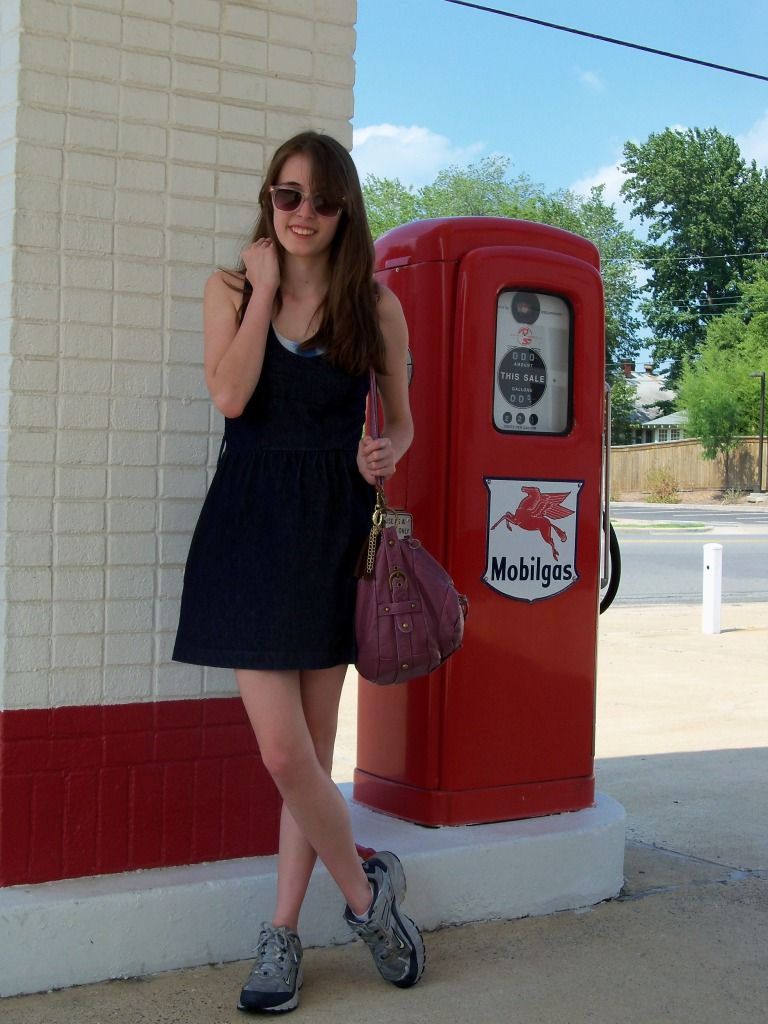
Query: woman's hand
[[375, 458], [261, 265]]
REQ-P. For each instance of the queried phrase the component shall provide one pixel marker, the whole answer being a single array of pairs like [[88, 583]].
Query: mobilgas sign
[[531, 537]]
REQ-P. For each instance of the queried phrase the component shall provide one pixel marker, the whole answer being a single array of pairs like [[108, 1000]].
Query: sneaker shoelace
[[271, 952], [386, 944]]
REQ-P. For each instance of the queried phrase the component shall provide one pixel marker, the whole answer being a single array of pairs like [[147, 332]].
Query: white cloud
[[612, 177], [754, 142], [591, 79], [412, 154]]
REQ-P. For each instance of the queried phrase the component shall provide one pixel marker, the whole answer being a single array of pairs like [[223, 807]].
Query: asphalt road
[[662, 553], [710, 515]]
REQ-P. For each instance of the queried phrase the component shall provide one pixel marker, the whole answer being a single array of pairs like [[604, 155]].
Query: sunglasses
[[289, 200]]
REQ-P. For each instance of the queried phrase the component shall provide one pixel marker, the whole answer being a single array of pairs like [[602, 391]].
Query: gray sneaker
[[393, 939], [273, 984]]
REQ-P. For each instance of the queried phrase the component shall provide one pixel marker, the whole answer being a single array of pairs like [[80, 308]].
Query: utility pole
[[761, 375]]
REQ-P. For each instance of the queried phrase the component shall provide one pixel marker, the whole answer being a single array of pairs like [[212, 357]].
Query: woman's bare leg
[[295, 863], [320, 696], [294, 718]]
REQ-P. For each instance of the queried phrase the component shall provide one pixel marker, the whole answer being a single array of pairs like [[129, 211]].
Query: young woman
[[269, 587]]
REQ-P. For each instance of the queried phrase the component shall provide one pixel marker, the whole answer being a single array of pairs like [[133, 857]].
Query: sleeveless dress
[[269, 581]]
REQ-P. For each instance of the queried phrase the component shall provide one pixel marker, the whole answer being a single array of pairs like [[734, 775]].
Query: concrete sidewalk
[[681, 742]]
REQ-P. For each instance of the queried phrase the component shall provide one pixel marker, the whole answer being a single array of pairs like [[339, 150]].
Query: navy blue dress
[[269, 581]]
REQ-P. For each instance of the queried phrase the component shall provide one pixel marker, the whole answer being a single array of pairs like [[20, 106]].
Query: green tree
[[623, 396], [387, 203], [484, 189], [708, 395], [716, 391], [479, 190], [619, 249], [707, 210]]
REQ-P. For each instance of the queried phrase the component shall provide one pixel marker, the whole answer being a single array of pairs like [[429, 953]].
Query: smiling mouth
[[302, 232]]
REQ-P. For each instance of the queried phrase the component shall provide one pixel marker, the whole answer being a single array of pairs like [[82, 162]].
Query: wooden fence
[[633, 466]]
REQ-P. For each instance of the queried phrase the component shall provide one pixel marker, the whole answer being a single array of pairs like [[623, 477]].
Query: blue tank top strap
[[294, 347]]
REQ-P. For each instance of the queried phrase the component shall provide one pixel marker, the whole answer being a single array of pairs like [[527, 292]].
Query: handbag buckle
[[397, 574]]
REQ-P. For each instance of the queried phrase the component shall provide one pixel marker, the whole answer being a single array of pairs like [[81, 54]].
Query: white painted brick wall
[[21, 518], [132, 138]]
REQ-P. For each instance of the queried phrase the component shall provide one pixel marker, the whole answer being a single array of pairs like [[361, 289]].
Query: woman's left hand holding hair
[[261, 265], [234, 351]]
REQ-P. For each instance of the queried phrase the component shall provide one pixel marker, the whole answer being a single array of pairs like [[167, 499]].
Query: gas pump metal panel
[[508, 382]]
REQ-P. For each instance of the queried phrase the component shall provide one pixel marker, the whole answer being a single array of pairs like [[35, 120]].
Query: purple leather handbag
[[409, 616]]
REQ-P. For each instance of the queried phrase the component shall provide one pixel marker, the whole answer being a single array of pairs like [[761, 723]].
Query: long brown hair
[[349, 329]]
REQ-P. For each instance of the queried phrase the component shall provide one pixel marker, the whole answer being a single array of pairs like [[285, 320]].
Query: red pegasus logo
[[536, 511]]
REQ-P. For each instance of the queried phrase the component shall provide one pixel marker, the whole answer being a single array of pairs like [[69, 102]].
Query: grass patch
[[632, 524]]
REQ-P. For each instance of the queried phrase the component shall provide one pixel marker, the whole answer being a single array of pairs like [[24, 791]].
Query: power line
[[698, 314], [610, 39], [715, 301], [686, 318], [694, 304], [641, 261], [692, 259]]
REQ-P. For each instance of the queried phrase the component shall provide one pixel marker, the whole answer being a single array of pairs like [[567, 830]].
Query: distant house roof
[[675, 419], [650, 389]]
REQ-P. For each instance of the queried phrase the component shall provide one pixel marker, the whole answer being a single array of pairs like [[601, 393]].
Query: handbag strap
[[373, 394]]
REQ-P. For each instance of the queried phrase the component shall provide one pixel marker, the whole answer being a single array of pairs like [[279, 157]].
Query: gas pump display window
[[532, 392]]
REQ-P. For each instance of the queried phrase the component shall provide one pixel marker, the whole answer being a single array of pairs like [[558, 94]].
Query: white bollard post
[[712, 588]]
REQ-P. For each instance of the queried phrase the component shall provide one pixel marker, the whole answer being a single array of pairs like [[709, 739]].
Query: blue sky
[[439, 84]]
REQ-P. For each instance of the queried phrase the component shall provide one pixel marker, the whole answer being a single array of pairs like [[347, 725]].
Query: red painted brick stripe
[[98, 790]]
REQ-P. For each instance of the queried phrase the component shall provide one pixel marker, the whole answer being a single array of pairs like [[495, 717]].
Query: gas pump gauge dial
[[532, 365]]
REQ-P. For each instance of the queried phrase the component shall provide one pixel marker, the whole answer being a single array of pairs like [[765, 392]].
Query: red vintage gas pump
[[504, 482]]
